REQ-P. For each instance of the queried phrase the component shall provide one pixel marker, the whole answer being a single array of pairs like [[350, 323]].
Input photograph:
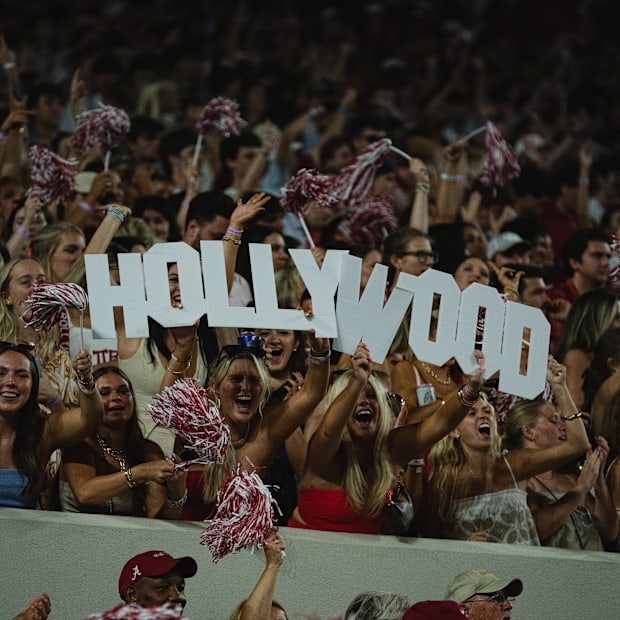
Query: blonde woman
[[351, 456], [476, 492]]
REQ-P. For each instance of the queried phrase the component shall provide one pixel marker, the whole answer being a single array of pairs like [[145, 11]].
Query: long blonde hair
[[54, 360], [447, 456], [365, 497], [214, 474]]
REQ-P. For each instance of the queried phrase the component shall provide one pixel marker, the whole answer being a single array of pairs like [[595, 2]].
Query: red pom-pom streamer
[[52, 176], [500, 165], [305, 187], [47, 303], [354, 181], [220, 116], [369, 222], [105, 127], [186, 409], [138, 612], [244, 515]]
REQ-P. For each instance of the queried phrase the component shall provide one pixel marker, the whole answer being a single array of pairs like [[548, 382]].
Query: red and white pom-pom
[[244, 515], [45, 307], [139, 612], [500, 164], [370, 222], [308, 186], [354, 181], [186, 409], [105, 127], [221, 116], [52, 177]]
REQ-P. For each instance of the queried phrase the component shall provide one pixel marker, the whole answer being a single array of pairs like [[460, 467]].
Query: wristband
[[319, 360], [119, 214], [84, 205], [185, 203], [7, 66], [422, 187], [234, 231], [469, 392], [235, 241], [461, 178], [84, 386], [312, 112], [53, 404], [176, 503], [21, 230]]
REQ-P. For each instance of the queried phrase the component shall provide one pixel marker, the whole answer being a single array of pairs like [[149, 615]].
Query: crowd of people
[[343, 441]]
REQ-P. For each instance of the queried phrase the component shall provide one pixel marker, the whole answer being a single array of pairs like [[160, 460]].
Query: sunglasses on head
[[247, 342]]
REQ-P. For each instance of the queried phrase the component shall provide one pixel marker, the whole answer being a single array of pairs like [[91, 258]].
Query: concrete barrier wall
[[77, 560]]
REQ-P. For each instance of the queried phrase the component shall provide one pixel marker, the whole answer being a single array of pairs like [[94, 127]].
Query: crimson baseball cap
[[435, 610], [153, 564]]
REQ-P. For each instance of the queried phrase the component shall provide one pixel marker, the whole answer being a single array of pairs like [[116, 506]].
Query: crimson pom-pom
[[52, 177], [370, 222], [307, 186], [220, 116], [134, 611], [105, 127], [185, 408], [244, 515], [353, 182], [45, 307], [500, 164]]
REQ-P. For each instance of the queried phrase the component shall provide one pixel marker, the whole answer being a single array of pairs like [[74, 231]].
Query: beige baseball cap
[[471, 582]]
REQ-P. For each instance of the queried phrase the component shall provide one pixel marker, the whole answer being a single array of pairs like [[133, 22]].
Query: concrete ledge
[[77, 560]]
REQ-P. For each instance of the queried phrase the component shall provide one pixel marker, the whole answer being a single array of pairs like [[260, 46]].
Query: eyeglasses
[[422, 256], [498, 598]]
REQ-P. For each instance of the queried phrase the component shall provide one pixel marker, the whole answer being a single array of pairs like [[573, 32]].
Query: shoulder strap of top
[[514, 480]]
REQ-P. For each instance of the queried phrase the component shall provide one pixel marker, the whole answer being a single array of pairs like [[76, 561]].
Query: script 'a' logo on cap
[[159, 554], [136, 573]]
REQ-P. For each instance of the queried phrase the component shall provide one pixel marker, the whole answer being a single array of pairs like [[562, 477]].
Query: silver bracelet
[[176, 503]]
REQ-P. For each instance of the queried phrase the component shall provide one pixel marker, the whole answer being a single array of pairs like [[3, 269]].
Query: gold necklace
[[118, 455], [435, 376]]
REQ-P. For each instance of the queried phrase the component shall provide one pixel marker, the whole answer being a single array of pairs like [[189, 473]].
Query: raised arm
[[258, 605], [419, 210], [327, 439], [411, 441], [528, 462], [244, 213], [452, 183], [282, 420], [69, 427]]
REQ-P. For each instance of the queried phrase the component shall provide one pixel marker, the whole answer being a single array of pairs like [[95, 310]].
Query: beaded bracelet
[[422, 187], [83, 386], [119, 214], [235, 241], [130, 481], [177, 503], [234, 231], [568, 418]]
